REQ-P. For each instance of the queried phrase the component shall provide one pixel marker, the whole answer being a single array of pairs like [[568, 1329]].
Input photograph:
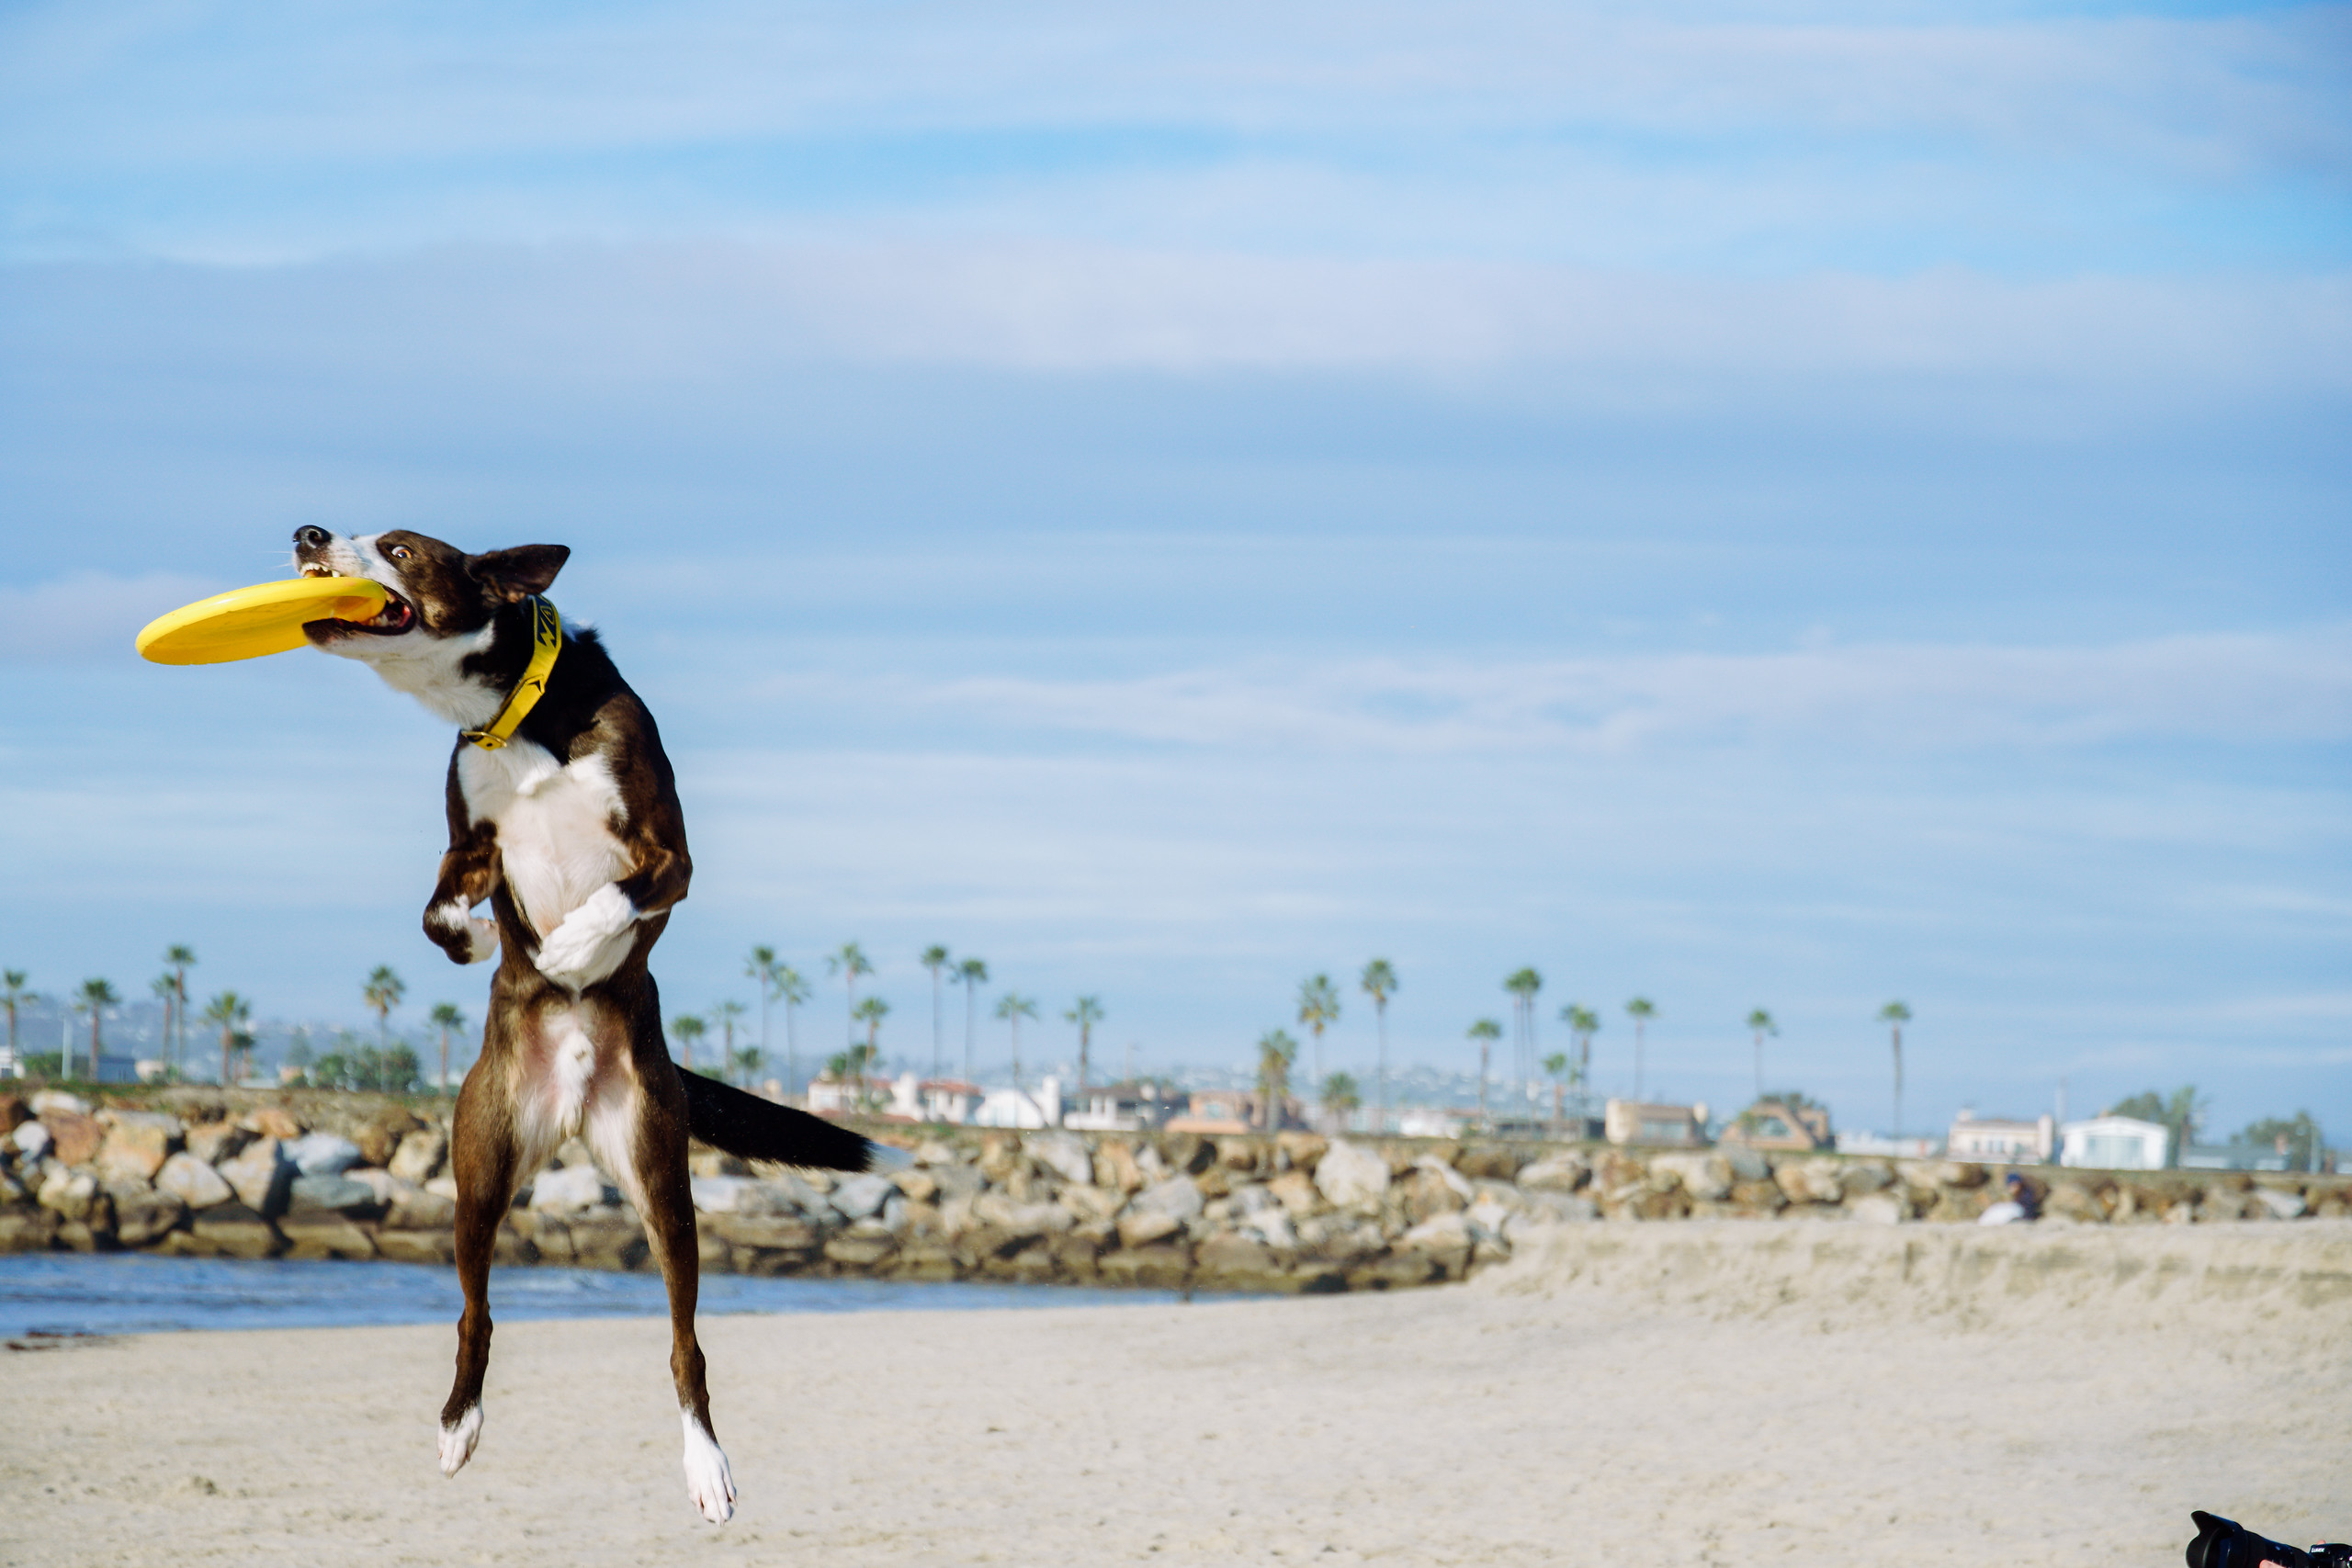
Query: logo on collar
[[546, 642]]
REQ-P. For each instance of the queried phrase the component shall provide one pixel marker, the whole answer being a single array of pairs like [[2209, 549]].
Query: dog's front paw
[[456, 932], [459, 1437], [590, 941], [709, 1481]]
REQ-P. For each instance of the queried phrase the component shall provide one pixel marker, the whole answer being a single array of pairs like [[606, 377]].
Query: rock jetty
[[311, 1174]]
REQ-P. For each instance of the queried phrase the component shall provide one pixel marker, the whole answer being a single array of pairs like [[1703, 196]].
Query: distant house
[[951, 1100], [2114, 1143], [2234, 1156], [1217, 1110], [1039, 1107], [831, 1096], [1777, 1124], [1642, 1121], [1119, 1108], [1884, 1148], [1994, 1140]]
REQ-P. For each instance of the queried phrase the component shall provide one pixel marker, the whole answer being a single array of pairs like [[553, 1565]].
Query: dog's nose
[[311, 537]]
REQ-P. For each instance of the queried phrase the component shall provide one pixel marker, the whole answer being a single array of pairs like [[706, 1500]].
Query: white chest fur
[[557, 825]]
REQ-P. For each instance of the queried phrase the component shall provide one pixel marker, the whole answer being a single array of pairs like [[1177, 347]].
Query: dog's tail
[[751, 1128]]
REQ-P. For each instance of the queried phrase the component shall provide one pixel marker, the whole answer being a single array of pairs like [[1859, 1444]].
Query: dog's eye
[[400, 552]]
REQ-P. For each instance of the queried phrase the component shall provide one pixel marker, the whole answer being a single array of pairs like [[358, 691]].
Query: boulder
[[322, 1233], [565, 1191], [73, 1195], [259, 1175], [1961, 1205], [1271, 1226], [861, 1249], [192, 1182], [1562, 1173], [320, 1154], [1865, 1176], [1141, 1227], [1490, 1162], [860, 1196], [714, 1162], [235, 1230], [769, 1231], [1880, 1209], [13, 1113], [2073, 1201], [1304, 1150], [1764, 1196], [1000, 1211], [138, 1142], [916, 1183], [933, 1151], [1349, 1174], [1707, 1178], [1092, 1202], [418, 1245], [31, 1139], [74, 1139], [27, 1229], [1177, 1198], [1240, 1156], [333, 1195], [1215, 1183], [217, 1141], [48, 1100], [1115, 1167], [1000, 1155], [418, 1209], [1064, 1154], [1814, 1181], [1434, 1188], [418, 1158], [2283, 1205], [1160, 1267], [143, 1215], [1188, 1154], [1296, 1192], [271, 1121], [1234, 1261], [1746, 1164], [380, 1136]]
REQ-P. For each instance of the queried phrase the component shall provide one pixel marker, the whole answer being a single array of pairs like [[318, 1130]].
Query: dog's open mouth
[[397, 616]]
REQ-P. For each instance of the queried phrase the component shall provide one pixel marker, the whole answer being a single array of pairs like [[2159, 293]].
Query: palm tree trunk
[[1484, 1050], [1381, 1008], [444, 1059], [227, 1041]]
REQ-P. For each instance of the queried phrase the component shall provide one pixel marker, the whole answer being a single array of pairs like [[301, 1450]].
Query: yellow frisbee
[[246, 622]]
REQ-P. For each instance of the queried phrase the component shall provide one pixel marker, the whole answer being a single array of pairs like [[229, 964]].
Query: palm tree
[[1761, 1022], [1641, 1009], [1583, 1024], [1523, 985], [446, 1017], [758, 966], [1894, 1015], [1486, 1032], [791, 989], [95, 997], [228, 1011], [1340, 1094], [1379, 983], [689, 1029], [1013, 1007], [725, 1014], [934, 958], [747, 1061], [163, 989], [1276, 1051], [382, 993], [1559, 1067], [1318, 1009], [181, 957], [12, 996], [871, 1012], [1086, 1013], [849, 964], [971, 974]]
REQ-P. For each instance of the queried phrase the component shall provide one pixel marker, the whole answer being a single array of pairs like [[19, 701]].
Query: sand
[[1672, 1393]]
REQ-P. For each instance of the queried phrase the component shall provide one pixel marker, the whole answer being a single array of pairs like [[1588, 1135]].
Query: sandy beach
[[1703, 1393]]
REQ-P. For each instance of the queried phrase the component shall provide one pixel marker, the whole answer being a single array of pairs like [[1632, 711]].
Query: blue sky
[[1756, 505]]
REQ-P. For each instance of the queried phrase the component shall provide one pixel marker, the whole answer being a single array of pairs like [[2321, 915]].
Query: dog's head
[[438, 591]]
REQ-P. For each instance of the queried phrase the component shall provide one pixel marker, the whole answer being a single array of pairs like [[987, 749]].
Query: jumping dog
[[564, 819]]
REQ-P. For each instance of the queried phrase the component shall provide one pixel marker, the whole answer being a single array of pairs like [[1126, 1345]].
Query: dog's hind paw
[[457, 1441], [709, 1482]]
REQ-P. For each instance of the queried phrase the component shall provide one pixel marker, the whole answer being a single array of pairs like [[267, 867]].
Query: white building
[[951, 1100], [1117, 1108], [1995, 1140], [2114, 1143], [1039, 1107]]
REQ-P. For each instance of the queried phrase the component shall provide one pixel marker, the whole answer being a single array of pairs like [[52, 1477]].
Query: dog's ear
[[519, 573]]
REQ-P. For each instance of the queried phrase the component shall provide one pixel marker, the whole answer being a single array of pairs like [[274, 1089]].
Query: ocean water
[[69, 1293]]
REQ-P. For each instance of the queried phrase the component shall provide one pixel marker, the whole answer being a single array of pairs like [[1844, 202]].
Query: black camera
[[2225, 1543]]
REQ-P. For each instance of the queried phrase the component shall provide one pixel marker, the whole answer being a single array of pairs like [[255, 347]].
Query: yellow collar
[[546, 642]]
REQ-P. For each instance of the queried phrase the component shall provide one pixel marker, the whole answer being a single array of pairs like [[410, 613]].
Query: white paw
[[707, 1480], [484, 935], [590, 941], [457, 1442]]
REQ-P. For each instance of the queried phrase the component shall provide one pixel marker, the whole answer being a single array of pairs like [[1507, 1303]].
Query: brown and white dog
[[571, 833]]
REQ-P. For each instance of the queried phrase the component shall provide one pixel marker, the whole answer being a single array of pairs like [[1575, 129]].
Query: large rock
[[1490, 1162], [417, 1209], [272, 1122], [1238, 1262], [2073, 1201], [74, 1139], [143, 1215], [1746, 1164], [31, 1139], [1141, 1227], [332, 1195], [1865, 1176], [1000, 1211], [318, 1233], [218, 1141], [1432, 1189], [1177, 1198], [1707, 1178], [74, 1195], [860, 1196], [570, 1190], [321, 1154], [1115, 1167], [1563, 1172], [1810, 1180], [259, 1175], [416, 1246], [1880, 1208], [2282, 1205], [1064, 1154], [1349, 1174], [235, 1230], [192, 1182], [419, 1157], [1297, 1191], [917, 1183], [138, 1144], [26, 1229], [1305, 1151]]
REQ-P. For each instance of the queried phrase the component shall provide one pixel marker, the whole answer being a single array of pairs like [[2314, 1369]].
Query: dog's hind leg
[[649, 1126], [483, 1158]]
